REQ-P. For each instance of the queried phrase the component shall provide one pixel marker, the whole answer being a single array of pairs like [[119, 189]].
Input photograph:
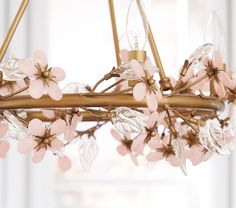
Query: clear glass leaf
[[88, 151], [217, 139], [199, 54], [126, 72], [17, 130], [75, 87], [11, 70], [179, 150], [127, 120]]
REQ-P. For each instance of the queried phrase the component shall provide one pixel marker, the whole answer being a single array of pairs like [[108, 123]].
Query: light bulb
[[214, 33], [136, 25]]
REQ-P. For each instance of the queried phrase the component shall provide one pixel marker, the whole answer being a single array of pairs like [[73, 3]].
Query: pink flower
[[43, 138], [41, 77], [141, 140], [11, 87], [125, 147], [219, 78], [147, 87], [197, 154], [163, 149], [4, 145], [71, 124]]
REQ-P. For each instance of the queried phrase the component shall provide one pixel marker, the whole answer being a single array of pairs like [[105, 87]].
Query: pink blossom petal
[[64, 163], [40, 58], [173, 160], [161, 117], [199, 85], [139, 91], [138, 144], [217, 59], [155, 143], [57, 127], [4, 148], [69, 133], [133, 158], [27, 67], [219, 88], [5, 90], [151, 101], [124, 55], [166, 140], [3, 129], [57, 145], [207, 155], [152, 119], [54, 91], [38, 155], [195, 155], [137, 68], [149, 66], [116, 135], [233, 84], [74, 121], [36, 88], [26, 145], [122, 150], [58, 74], [36, 127], [154, 156], [224, 78]]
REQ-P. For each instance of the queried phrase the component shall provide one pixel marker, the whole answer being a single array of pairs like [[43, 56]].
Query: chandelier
[[154, 115]]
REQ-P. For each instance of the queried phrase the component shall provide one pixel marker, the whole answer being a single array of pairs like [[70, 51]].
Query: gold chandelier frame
[[106, 100]]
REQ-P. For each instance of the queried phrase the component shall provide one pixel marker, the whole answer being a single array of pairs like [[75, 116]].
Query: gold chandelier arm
[[12, 28], [164, 80], [114, 30], [96, 100]]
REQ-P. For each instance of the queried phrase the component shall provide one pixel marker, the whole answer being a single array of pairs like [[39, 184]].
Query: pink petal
[[74, 121], [154, 156], [69, 133], [58, 74], [26, 145], [217, 59], [133, 158], [155, 143], [138, 144], [116, 135], [233, 84], [173, 160], [137, 68], [124, 55], [150, 68], [38, 155], [152, 119], [4, 148], [151, 101], [122, 150], [207, 155], [199, 85], [54, 91], [139, 91], [64, 163], [219, 88], [57, 145], [40, 58], [5, 90], [161, 117], [27, 67], [57, 127], [195, 155], [36, 88], [224, 78], [36, 127], [3, 129]]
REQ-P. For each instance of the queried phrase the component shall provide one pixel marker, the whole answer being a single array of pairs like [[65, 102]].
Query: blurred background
[[76, 35]]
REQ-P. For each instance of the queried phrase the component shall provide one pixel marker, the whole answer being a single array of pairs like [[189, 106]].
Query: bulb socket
[[139, 56]]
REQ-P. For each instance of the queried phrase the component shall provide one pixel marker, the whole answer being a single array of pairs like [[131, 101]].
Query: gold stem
[[113, 85], [114, 30], [13, 28], [164, 81]]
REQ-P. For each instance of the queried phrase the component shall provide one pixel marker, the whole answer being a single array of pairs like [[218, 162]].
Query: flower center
[[46, 141], [151, 82], [152, 133], [45, 74]]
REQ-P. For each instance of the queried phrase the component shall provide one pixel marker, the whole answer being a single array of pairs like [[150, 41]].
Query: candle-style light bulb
[[214, 32], [136, 25]]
